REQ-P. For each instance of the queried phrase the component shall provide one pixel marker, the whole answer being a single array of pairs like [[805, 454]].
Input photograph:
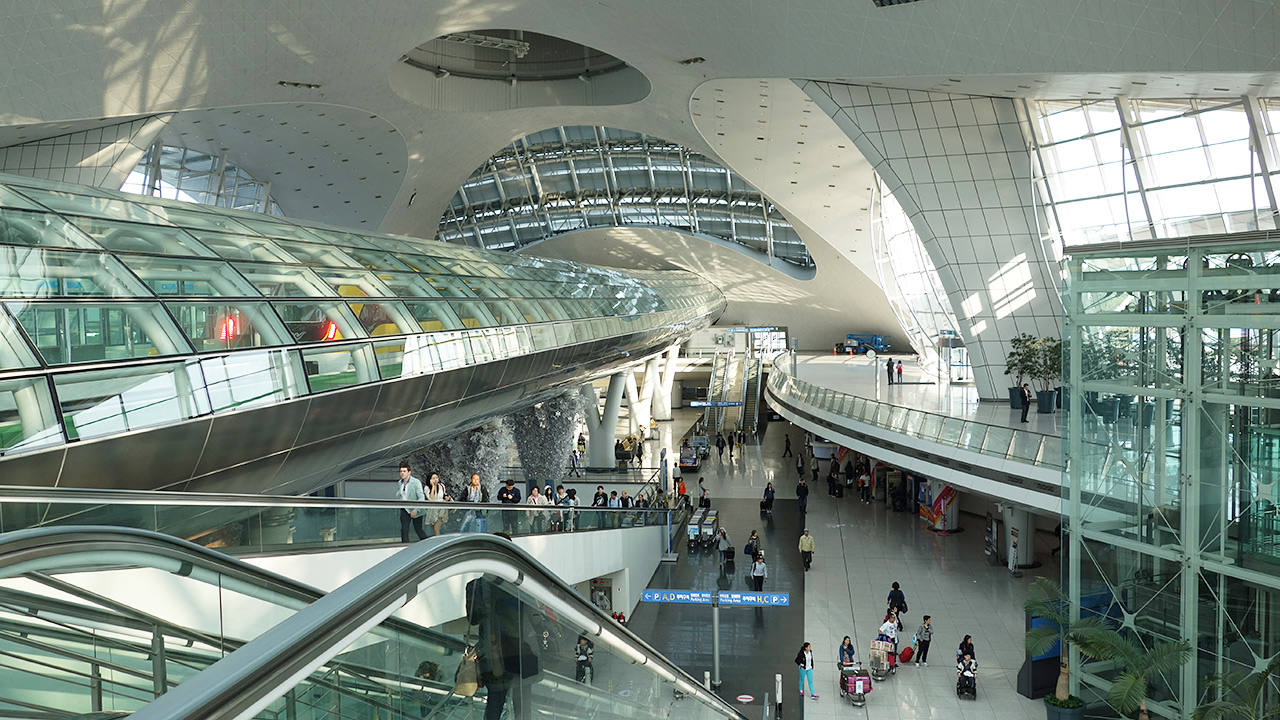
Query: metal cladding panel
[[486, 377], [336, 413], [37, 469], [316, 465], [448, 387], [377, 438], [400, 398], [251, 434], [156, 459], [250, 477]]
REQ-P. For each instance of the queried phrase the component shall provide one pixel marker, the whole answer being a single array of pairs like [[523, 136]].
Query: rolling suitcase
[[729, 553], [906, 654]]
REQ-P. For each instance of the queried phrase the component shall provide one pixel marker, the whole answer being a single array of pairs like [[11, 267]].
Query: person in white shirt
[[804, 661], [889, 630], [537, 518], [435, 493], [409, 490]]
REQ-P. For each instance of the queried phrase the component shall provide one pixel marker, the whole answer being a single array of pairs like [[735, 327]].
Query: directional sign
[[714, 403], [727, 599], [754, 599], [682, 597]]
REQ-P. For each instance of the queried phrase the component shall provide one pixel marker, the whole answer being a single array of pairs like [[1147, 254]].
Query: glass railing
[[242, 524], [998, 441], [531, 647]]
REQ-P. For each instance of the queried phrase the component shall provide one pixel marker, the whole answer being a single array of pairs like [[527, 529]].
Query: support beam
[[602, 429], [662, 391]]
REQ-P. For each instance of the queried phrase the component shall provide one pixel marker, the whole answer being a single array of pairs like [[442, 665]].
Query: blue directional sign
[[714, 403], [683, 597], [727, 599], [754, 599]]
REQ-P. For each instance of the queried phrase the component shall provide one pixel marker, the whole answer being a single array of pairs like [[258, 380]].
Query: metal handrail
[[782, 383], [266, 668]]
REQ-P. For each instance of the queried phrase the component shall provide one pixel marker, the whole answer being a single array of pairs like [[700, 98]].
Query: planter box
[[1053, 712], [1045, 401], [1015, 398]]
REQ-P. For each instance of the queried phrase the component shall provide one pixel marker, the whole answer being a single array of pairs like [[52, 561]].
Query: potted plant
[[1242, 695], [1136, 663], [1045, 371], [1017, 363], [1045, 599]]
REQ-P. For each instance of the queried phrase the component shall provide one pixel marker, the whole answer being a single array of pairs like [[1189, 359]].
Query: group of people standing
[[732, 438], [896, 607]]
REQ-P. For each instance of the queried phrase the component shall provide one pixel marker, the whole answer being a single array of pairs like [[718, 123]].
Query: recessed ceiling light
[[299, 85], [693, 60]]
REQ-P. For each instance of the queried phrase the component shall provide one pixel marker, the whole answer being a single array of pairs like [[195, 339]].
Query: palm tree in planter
[[1244, 696], [1137, 664], [1046, 600]]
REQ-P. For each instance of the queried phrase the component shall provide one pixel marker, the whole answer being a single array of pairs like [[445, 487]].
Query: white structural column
[[961, 170], [640, 401], [602, 428], [1019, 528], [662, 390]]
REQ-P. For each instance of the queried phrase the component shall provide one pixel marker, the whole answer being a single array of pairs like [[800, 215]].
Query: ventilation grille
[[886, 3]]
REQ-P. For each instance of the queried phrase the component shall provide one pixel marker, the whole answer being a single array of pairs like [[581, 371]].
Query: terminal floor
[[861, 549], [863, 378], [752, 640]]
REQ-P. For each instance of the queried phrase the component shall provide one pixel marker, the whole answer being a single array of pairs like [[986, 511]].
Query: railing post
[[95, 688], [159, 681]]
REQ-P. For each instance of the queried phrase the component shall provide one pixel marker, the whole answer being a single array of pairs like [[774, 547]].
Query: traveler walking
[[897, 600], [924, 635], [804, 661], [802, 494], [720, 443], [899, 372], [723, 544], [409, 490], [766, 505], [786, 450], [731, 443], [435, 493], [813, 469], [759, 572], [807, 547]]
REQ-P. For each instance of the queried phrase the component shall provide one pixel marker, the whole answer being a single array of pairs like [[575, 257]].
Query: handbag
[[466, 680]]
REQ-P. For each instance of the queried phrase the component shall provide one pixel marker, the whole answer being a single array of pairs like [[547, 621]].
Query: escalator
[[443, 607], [751, 396], [732, 392]]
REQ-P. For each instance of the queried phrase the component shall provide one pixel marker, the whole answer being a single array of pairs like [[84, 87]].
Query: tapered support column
[[640, 400], [603, 427], [662, 391]]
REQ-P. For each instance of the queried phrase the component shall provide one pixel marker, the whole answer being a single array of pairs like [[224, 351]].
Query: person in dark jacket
[[601, 498], [845, 656], [1026, 400], [720, 443], [888, 368], [897, 600], [966, 648], [767, 503], [786, 450], [802, 494]]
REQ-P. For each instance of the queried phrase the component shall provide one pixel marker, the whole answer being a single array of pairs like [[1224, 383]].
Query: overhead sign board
[[714, 403], [727, 599]]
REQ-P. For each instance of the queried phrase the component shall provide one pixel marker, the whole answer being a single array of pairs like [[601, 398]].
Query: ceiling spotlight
[[584, 78], [512, 80], [441, 73], [519, 48], [693, 60], [302, 85]]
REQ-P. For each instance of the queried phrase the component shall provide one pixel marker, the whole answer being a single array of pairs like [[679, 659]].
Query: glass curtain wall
[[1133, 169], [1173, 453], [570, 178], [121, 312], [189, 175], [912, 285]]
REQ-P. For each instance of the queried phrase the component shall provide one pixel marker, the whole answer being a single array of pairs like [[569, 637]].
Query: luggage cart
[[881, 659], [854, 683], [708, 529], [693, 529]]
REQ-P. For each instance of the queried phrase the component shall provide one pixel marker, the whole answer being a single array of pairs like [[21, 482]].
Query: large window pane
[[179, 276], [243, 247], [433, 316], [323, 321], [108, 402], [14, 353], [35, 272], [274, 229], [135, 237], [376, 259], [192, 217], [406, 285], [383, 318], [354, 283], [27, 417], [322, 255], [473, 314], [212, 326], [92, 332], [100, 207], [284, 281], [339, 367], [40, 229], [242, 380]]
